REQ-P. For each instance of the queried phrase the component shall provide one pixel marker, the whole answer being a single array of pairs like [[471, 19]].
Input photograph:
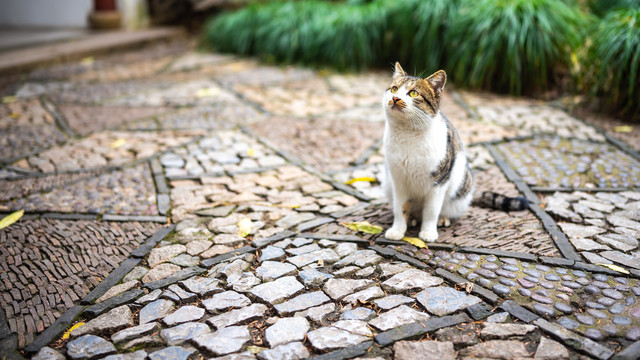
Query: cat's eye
[[413, 93], [394, 89]]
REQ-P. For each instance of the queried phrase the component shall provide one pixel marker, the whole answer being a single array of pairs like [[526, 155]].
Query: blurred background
[[584, 52]]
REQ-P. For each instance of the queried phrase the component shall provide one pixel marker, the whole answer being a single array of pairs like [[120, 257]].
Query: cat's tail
[[493, 200]]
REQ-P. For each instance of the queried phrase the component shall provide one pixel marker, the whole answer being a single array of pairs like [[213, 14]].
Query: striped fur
[[492, 200], [424, 157]]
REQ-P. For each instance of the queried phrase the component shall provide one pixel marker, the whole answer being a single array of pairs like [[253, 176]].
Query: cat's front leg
[[400, 215], [430, 213]]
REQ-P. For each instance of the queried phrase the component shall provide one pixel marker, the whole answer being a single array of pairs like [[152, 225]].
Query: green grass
[[514, 46], [614, 60], [602, 7]]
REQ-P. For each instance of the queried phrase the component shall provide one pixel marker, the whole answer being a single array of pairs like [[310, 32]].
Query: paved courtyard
[[187, 205]]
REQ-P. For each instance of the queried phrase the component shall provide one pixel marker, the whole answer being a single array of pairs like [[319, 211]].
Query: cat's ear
[[398, 72], [437, 81]]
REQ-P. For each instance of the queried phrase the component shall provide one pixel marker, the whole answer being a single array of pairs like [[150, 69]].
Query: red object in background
[[104, 5]]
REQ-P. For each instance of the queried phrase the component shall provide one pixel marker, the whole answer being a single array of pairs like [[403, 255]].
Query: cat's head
[[411, 98]]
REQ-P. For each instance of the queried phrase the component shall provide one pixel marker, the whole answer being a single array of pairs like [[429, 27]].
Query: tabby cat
[[427, 174]]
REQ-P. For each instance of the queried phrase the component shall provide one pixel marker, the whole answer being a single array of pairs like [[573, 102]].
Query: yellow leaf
[[9, 99], [369, 179], [615, 268], [88, 61], [255, 349], [251, 151], [118, 143], [363, 226], [623, 129], [66, 334], [244, 227], [414, 241], [14, 115], [207, 92], [11, 218]]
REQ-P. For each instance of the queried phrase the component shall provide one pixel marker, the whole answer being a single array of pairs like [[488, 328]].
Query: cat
[[427, 173]]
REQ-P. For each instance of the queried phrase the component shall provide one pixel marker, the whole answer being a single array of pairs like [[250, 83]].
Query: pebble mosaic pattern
[[549, 161], [85, 120], [48, 265], [19, 187], [129, 191]]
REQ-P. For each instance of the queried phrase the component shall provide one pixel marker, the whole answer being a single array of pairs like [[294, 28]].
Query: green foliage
[[601, 7], [515, 46], [614, 60]]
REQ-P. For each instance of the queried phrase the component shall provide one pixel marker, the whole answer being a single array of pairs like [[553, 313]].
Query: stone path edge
[[63, 322]]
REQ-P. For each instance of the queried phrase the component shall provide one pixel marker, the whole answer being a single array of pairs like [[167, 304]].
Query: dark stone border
[[477, 289], [175, 277], [54, 330], [498, 252], [411, 331], [346, 353], [559, 238], [222, 258], [518, 311], [110, 281], [273, 238], [314, 223], [141, 218], [151, 241], [552, 190], [573, 340], [64, 216], [512, 176], [60, 120], [113, 302]]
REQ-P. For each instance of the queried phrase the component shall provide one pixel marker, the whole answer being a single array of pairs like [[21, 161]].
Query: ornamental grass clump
[[514, 46], [614, 61]]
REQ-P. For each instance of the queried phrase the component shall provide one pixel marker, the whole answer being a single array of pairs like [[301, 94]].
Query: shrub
[[515, 46], [614, 60], [601, 7]]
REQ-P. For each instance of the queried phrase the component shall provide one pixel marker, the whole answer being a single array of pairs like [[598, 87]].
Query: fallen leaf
[[623, 129], [414, 241], [615, 268], [9, 99], [207, 92], [244, 227], [251, 151], [466, 286], [118, 143], [255, 349], [14, 115], [65, 336], [368, 179], [11, 218], [363, 226], [88, 61]]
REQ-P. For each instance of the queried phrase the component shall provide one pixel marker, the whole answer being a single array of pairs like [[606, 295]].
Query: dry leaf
[[369, 179], [415, 241], [623, 129], [118, 143], [251, 151], [11, 218], [88, 61], [615, 268], [14, 115], [255, 349], [363, 226], [65, 336], [466, 286], [244, 227], [207, 92], [9, 99]]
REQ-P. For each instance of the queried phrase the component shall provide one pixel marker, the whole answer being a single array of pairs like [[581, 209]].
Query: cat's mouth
[[397, 104]]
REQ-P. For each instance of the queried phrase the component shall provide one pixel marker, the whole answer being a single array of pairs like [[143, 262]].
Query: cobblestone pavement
[[182, 205]]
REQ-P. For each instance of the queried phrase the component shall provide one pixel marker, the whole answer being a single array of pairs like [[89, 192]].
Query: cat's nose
[[396, 99]]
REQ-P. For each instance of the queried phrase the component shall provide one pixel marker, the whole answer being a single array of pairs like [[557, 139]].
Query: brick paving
[[257, 168]]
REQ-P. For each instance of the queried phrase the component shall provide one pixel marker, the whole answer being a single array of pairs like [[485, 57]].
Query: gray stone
[[244, 282], [366, 272], [303, 249], [271, 270], [135, 274], [396, 317], [277, 291], [580, 231], [183, 295], [171, 353], [297, 242], [47, 353], [360, 258], [317, 314], [313, 277], [226, 300], [196, 247], [329, 338], [586, 244], [444, 300], [620, 258], [620, 242], [89, 347], [550, 350], [294, 219], [621, 221], [202, 286], [228, 239], [237, 316], [346, 271], [499, 317], [359, 313], [327, 256], [114, 320], [224, 341], [185, 260], [143, 341], [184, 314], [410, 350], [155, 310], [118, 289], [412, 279], [500, 331], [354, 326], [134, 332], [183, 332], [291, 351], [339, 288], [391, 301], [136, 355], [164, 253], [287, 330], [345, 249], [159, 272], [150, 297], [247, 355], [462, 334], [364, 295], [497, 349], [272, 253], [302, 302]]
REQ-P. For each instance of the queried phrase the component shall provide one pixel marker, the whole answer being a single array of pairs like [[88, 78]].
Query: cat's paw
[[394, 234], [428, 235], [444, 222]]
